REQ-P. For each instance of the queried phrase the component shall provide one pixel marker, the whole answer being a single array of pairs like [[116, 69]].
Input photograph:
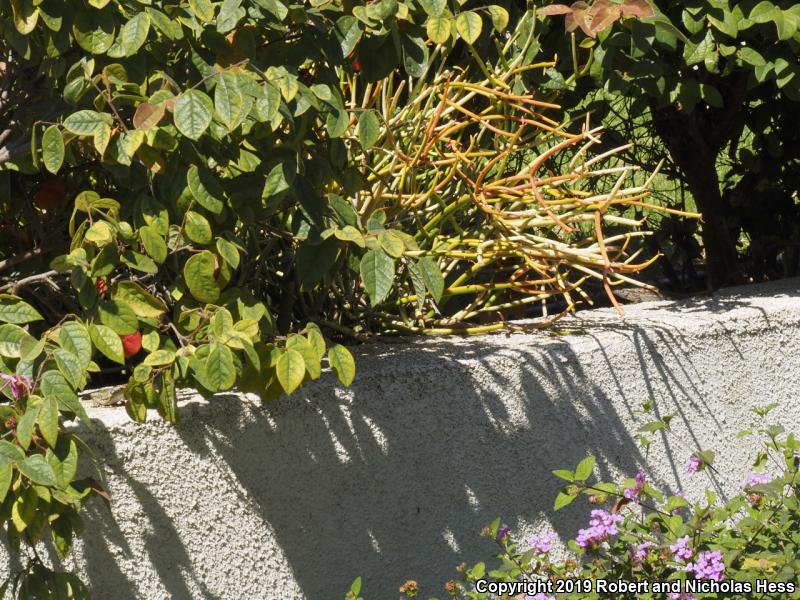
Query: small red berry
[[132, 344], [100, 284]]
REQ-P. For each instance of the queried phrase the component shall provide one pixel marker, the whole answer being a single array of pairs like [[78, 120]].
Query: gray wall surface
[[394, 478]]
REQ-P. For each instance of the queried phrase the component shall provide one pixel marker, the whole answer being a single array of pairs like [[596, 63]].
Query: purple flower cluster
[[681, 550], [20, 385], [539, 596], [639, 552], [681, 596], [709, 565], [542, 544], [602, 525], [756, 479], [695, 464], [632, 493]]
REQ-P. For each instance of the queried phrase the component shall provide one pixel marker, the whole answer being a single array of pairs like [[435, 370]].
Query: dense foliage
[[742, 546], [715, 85], [212, 194]]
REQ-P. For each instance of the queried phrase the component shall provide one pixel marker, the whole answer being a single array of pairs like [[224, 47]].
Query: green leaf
[[198, 272], [499, 16], [37, 469], [205, 189], [341, 361], [434, 8], [751, 56], [563, 500], [203, 9], [70, 367], [228, 100], [94, 30], [193, 113], [469, 26], [118, 316], [26, 425], [229, 252], [564, 474], [369, 129], [432, 276], [167, 400], [48, 421], [291, 370], [300, 344], [229, 15], [87, 122], [584, 469], [6, 475], [14, 310], [154, 245], [134, 33], [54, 384], [140, 300], [377, 273], [197, 228], [10, 452], [53, 149], [63, 459], [10, 338], [696, 53], [439, 29], [220, 368], [159, 358], [74, 337]]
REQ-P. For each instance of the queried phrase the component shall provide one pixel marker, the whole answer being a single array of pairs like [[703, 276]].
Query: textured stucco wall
[[394, 478]]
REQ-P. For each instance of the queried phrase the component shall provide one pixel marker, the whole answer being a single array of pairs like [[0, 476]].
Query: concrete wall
[[394, 478]]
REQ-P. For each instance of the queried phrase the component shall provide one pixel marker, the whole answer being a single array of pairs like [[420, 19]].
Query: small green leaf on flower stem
[[193, 113], [563, 499], [439, 29], [707, 456], [469, 26], [52, 149], [198, 272], [499, 16], [17, 311], [341, 361], [369, 129], [10, 340], [377, 273], [564, 474], [584, 469], [291, 370]]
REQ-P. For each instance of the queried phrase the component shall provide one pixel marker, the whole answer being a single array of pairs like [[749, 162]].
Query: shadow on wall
[[394, 479]]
